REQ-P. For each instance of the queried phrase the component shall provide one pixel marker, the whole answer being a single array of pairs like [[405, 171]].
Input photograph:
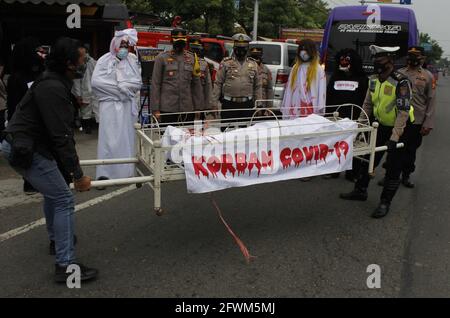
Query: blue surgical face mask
[[123, 53], [304, 56]]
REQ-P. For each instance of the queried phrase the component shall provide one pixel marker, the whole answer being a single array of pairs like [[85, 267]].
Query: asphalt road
[[308, 243]]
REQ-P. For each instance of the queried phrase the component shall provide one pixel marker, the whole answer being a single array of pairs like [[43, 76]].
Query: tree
[[141, 6], [436, 50], [219, 16], [275, 14]]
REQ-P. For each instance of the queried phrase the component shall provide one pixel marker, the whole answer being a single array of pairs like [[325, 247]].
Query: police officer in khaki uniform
[[237, 84], [388, 101], [266, 76], [424, 109], [175, 85], [196, 47]]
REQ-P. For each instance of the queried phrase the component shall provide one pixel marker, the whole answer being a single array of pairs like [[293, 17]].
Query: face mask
[[344, 68], [380, 68], [79, 71], [123, 53], [179, 45], [257, 58], [413, 61], [304, 56], [198, 52], [240, 52]]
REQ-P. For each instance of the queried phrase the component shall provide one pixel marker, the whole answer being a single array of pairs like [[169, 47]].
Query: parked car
[[279, 58]]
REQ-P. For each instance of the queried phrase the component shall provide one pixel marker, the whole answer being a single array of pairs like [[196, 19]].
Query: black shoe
[[381, 211], [86, 273], [52, 248], [100, 179], [355, 195], [406, 181], [381, 182], [28, 188]]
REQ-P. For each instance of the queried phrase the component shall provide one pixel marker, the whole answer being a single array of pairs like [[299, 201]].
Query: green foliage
[[436, 52], [220, 16]]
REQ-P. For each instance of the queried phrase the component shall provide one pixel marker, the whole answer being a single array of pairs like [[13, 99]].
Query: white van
[[279, 58]]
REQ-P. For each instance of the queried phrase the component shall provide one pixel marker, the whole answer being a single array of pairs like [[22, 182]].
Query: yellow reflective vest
[[384, 100]]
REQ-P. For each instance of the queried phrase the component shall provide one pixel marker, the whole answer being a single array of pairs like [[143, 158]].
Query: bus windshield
[[358, 35]]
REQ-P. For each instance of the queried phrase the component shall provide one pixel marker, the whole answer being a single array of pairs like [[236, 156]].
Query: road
[[308, 243]]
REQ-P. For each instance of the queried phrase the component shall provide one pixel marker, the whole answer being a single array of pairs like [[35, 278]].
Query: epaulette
[[398, 76]]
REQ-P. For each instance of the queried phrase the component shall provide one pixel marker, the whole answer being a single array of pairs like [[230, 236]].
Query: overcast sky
[[432, 17]]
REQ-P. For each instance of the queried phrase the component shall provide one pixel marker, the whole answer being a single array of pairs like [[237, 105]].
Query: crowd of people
[[46, 95]]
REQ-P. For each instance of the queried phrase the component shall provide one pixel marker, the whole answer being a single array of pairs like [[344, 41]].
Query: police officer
[[266, 76], [424, 109], [388, 102], [196, 47], [175, 87], [237, 83]]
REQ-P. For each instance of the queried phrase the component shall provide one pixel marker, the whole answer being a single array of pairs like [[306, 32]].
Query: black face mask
[[380, 68], [413, 61], [179, 45], [199, 52], [240, 52]]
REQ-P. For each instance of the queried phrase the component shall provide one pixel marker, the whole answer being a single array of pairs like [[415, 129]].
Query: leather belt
[[237, 99]]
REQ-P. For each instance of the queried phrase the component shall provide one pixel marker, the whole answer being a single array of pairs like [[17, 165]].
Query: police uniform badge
[[388, 90]]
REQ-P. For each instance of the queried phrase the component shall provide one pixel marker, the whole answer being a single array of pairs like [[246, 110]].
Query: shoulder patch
[[399, 76]]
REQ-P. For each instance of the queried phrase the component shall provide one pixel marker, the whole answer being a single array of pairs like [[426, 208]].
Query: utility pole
[[255, 21]]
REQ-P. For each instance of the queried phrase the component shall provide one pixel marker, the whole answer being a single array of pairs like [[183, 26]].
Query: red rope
[[238, 241]]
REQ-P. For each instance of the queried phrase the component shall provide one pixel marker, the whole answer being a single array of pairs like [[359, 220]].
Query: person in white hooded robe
[[116, 82]]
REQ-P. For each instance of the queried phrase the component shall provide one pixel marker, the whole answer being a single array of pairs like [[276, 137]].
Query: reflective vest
[[384, 101]]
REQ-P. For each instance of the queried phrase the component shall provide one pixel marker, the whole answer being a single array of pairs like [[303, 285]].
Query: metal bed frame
[[153, 168]]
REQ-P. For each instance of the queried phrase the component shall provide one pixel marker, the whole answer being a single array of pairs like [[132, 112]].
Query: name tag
[[346, 85]]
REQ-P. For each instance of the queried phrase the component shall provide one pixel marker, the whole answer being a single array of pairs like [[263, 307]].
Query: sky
[[432, 18]]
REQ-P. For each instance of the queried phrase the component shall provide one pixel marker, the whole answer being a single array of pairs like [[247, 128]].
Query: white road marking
[[28, 227]]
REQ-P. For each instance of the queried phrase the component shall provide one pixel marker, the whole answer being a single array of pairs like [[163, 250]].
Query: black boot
[[356, 195], [389, 190], [52, 248], [406, 181], [86, 273], [382, 210]]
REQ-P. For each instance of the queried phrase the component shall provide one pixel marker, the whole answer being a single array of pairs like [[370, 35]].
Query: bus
[[358, 27]]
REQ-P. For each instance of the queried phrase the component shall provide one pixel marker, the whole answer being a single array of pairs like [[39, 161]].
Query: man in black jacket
[[39, 144]]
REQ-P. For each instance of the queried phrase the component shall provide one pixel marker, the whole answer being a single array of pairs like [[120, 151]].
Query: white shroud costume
[[299, 101], [116, 83]]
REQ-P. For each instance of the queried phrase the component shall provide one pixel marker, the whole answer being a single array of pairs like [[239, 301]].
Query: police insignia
[[388, 90]]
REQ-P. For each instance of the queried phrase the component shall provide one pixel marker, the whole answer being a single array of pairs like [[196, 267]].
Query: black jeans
[[393, 160], [414, 138]]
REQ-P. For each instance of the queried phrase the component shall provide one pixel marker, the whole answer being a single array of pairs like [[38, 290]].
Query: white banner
[[265, 152]]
